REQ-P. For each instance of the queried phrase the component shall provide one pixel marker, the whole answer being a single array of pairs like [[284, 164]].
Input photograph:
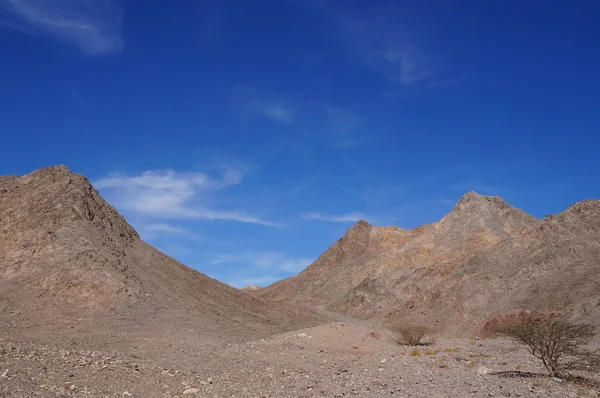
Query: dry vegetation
[[560, 345], [412, 334]]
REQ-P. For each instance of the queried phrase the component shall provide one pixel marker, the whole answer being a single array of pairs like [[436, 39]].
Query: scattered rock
[[482, 371]]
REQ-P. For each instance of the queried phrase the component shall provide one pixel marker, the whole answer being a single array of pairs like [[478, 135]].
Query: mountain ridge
[[415, 275]]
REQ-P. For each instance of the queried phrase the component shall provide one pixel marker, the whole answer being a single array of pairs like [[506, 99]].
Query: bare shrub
[[413, 335], [559, 344]]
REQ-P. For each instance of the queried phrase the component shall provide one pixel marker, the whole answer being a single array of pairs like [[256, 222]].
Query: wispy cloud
[[406, 67], [250, 102], [343, 218], [258, 267], [92, 25], [168, 194], [155, 230], [275, 111], [295, 265], [267, 259], [383, 39], [340, 127]]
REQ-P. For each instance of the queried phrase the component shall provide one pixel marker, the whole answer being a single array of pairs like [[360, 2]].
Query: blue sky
[[244, 137]]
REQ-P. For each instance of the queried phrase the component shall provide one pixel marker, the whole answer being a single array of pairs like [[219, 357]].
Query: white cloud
[[295, 265], [339, 127], [261, 268], [161, 227], [92, 25], [274, 111], [224, 258], [267, 259], [382, 40], [168, 194], [406, 67], [152, 231], [250, 102], [344, 218]]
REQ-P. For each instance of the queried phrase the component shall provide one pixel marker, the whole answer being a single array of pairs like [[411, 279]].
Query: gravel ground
[[338, 359]]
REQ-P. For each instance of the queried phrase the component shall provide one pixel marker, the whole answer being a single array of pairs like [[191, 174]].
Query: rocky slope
[[69, 260], [483, 260]]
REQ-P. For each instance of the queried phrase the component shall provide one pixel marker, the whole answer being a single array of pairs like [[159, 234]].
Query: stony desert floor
[[338, 359]]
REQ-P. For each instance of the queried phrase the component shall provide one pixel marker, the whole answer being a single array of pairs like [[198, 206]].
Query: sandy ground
[[338, 359]]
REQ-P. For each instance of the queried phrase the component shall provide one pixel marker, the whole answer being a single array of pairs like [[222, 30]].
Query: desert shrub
[[415, 352], [413, 335], [559, 344]]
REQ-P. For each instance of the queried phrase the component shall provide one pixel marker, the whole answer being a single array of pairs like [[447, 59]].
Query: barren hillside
[[67, 258], [482, 260]]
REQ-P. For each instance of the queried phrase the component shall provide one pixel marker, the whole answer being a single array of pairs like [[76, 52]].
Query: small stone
[[191, 391], [557, 379], [382, 361], [482, 371], [72, 387]]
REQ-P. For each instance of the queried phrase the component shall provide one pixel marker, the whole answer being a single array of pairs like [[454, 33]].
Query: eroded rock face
[[66, 254], [482, 259]]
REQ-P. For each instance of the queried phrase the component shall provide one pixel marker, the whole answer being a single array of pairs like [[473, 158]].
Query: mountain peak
[[472, 201], [470, 195], [54, 199], [474, 211], [359, 232], [60, 169], [361, 224], [473, 196]]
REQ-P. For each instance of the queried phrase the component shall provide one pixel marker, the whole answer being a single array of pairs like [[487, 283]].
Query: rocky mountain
[[484, 260], [69, 260]]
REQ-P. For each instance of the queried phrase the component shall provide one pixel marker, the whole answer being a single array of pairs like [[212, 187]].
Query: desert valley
[[90, 310]]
